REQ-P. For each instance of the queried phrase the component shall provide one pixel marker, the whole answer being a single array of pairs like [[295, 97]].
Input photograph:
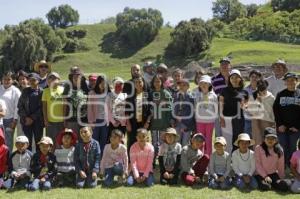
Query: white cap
[[205, 78], [22, 139], [118, 80], [235, 71]]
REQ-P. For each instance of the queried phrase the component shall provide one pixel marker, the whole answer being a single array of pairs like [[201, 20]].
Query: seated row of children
[[79, 163]]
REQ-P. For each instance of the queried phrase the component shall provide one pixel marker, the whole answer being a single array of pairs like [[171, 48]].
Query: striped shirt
[[218, 83], [65, 159]]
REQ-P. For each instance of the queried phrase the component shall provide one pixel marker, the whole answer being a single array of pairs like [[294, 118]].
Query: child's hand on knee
[[82, 174], [94, 175], [166, 175]]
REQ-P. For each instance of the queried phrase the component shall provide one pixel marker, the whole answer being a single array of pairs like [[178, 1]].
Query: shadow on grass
[[113, 44]]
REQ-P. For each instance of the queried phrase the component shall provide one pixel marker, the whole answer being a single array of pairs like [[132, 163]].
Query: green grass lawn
[[158, 191], [116, 62]]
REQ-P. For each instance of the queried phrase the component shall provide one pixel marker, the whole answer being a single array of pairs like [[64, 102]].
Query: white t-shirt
[[2, 108]]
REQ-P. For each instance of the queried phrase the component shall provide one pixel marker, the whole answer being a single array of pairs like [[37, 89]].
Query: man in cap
[[148, 71], [276, 83], [30, 110], [219, 82], [43, 69]]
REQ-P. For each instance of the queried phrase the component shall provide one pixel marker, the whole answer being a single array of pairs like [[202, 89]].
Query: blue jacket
[[186, 110], [92, 156], [37, 167]]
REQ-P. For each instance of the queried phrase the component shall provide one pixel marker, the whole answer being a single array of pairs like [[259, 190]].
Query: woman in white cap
[[115, 103], [206, 111], [232, 102]]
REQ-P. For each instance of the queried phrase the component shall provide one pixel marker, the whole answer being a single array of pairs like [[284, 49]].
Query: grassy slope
[[96, 61]]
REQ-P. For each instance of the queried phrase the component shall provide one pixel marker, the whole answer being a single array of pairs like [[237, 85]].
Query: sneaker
[[205, 179]]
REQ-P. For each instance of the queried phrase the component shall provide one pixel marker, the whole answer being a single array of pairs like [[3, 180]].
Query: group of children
[[77, 162]]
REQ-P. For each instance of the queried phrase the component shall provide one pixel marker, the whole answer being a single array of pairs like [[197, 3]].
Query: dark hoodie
[[4, 154]]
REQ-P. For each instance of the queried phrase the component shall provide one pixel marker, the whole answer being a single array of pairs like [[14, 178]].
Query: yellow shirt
[[53, 98]]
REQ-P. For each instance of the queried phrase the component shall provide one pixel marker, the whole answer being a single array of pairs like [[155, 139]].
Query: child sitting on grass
[[43, 166], [220, 166], [65, 158], [115, 159], [243, 163], [87, 159], [269, 162], [295, 168], [19, 164], [193, 162], [169, 157], [141, 159]]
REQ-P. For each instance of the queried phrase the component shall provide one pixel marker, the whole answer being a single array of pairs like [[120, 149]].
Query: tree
[[29, 42], [285, 5], [138, 27], [228, 10], [62, 16], [190, 38], [251, 9]]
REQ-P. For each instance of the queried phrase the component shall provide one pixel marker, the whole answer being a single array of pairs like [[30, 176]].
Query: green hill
[[108, 59]]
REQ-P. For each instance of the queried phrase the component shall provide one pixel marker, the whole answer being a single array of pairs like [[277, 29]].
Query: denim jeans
[[213, 184], [240, 183], [37, 184], [9, 133], [88, 181], [100, 133], [184, 137], [149, 181], [295, 188], [110, 173], [53, 129], [248, 127], [288, 141]]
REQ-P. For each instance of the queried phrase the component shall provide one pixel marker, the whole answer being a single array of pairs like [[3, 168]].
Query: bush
[[190, 38], [76, 34], [138, 27], [27, 43]]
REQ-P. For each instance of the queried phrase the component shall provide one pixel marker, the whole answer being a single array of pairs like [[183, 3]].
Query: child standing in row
[[206, 106], [66, 140], [295, 168], [87, 159], [243, 162], [193, 162], [115, 159], [141, 159], [43, 166], [183, 112], [169, 157], [19, 164], [220, 166]]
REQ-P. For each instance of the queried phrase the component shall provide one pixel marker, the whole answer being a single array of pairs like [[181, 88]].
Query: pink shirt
[[112, 156], [295, 161], [141, 159], [268, 165]]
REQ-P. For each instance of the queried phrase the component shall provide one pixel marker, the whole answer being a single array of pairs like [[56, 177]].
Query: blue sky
[[92, 11]]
